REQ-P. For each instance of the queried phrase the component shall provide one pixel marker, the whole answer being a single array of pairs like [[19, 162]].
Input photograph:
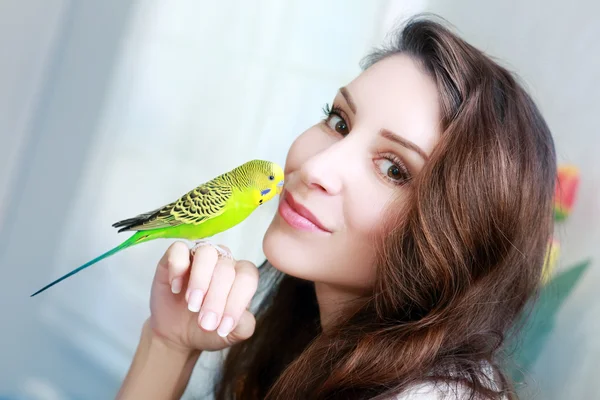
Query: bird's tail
[[136, 238]]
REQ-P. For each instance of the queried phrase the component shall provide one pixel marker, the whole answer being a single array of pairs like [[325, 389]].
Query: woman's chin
[[285, 253], [275, 247], [317, 259]]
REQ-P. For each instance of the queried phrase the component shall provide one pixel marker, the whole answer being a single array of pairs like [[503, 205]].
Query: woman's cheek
[[367, 213]]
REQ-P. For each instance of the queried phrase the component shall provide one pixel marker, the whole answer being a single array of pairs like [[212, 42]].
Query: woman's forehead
[[398, 95]]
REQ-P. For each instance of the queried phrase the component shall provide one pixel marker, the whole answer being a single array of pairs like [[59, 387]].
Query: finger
[[176, 260], [240, 296], [216, 297], [243, 330], [203, 265]]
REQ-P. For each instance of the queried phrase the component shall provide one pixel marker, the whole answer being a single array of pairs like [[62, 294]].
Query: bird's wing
[[198, 205]]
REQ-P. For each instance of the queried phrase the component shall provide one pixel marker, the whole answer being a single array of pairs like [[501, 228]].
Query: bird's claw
[[224, 253]]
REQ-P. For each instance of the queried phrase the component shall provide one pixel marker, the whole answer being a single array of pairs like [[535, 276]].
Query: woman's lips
[[298, 216]]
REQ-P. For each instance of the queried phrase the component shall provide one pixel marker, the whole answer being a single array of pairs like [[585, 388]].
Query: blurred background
[[111, 108]]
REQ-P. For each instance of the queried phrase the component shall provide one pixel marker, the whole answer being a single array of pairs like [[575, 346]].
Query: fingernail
[[176, 285], [225, 327], [195, 300], [209, 321]]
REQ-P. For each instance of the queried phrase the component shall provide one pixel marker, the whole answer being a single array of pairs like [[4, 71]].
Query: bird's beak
[[279, 186]]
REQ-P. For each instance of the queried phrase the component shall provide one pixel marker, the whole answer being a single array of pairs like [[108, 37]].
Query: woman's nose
[[320, 172]]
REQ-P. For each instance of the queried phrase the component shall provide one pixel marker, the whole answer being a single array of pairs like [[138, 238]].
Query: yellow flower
[[551, 260]]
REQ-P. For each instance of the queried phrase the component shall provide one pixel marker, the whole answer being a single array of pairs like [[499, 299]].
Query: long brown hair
[[455, 270]]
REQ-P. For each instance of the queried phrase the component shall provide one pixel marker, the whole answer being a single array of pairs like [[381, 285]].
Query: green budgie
[[210, 208]]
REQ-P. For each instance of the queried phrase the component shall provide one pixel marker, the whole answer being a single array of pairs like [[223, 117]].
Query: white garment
[[434, 391], [442, 390]]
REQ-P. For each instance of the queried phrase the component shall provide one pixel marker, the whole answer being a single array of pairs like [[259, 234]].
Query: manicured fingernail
[[195, 300], [225, 327], [176, 285], [209, 321]]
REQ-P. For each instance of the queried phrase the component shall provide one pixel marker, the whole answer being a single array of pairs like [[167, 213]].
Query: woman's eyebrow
[[348, 99], [403, 142], [385, 132]]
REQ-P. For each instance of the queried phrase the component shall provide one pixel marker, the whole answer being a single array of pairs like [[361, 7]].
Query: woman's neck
[[335, 301]]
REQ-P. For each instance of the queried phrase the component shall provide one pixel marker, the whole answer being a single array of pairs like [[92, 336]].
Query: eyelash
[[394, 159], [328, 110]]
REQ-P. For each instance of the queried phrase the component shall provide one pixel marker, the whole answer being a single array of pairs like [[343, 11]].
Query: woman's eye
[[336, 123], [391, 170]]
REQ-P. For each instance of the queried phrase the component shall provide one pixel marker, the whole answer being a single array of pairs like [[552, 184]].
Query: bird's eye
[[271, 177]]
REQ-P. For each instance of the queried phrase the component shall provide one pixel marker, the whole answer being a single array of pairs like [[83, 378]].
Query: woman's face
[[342, 172]]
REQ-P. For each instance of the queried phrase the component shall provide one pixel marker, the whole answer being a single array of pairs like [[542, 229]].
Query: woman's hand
[[199, 299]]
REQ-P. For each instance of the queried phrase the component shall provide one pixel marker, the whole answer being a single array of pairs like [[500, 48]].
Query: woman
[[410, 234]]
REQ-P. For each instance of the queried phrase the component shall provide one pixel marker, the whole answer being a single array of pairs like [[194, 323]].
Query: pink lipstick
[[298, 216]]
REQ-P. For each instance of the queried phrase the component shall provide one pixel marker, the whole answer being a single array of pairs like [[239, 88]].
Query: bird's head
[[268, 178]]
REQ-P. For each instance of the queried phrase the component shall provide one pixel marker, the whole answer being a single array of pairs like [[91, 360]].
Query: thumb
[[243, 330]]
